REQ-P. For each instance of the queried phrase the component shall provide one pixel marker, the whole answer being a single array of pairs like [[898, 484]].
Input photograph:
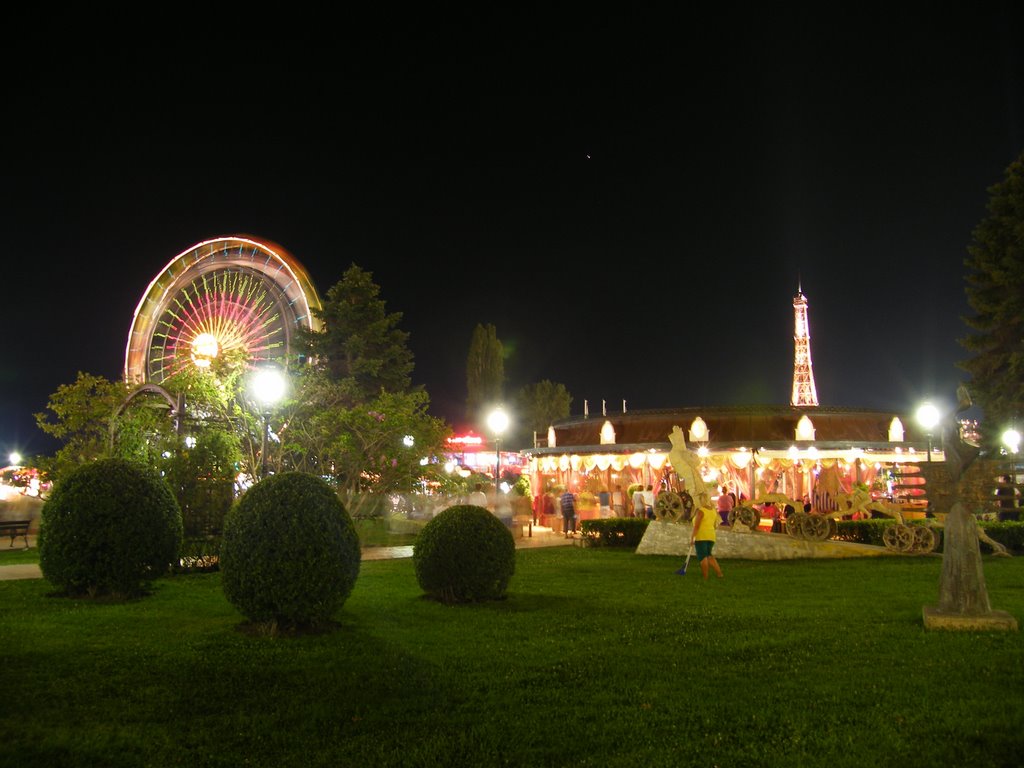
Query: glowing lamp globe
[[928, 416], [497, 421], [268, 386], [1011, 439], [204, 349]]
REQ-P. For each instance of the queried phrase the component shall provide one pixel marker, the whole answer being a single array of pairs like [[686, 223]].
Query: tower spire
[[804, 392]]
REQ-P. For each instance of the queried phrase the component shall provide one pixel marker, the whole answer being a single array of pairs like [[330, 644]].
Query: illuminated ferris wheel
[[227, 295]]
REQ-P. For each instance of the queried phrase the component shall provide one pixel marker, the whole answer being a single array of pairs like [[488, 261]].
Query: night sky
[[633, 213]]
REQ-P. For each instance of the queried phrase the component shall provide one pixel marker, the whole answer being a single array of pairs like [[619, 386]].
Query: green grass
[[384, 532], [597, 658], [18, 556]]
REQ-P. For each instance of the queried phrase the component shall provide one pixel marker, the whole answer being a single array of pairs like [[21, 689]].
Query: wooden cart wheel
[[794, 525], [925, 540], [668, 507], [891, 537], [898, 538], [747, 516], [815, 527]]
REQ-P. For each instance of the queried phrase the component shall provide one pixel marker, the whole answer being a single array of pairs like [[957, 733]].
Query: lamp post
[[928, 417], [268, 387], [1008, 487], [497, 422]]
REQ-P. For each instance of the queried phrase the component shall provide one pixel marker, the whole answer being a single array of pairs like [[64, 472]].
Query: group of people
[[643, 502], [612, 504], [702, 539]]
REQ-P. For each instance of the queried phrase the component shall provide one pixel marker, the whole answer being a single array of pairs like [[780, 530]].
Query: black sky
[[631, 203]]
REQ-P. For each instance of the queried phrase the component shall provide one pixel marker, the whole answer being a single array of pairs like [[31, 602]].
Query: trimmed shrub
[[464, 555], [109, 528], [614, 531], [1009, 533], [290, 554]]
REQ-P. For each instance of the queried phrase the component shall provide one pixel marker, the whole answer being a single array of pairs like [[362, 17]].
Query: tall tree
[[361, 342], [82, 416], [540, 405], [995, 293], [485, 370], [361, 447], [96, 418]]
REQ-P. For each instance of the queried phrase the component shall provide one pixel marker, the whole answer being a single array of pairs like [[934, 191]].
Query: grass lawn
[[597, 658], [18, 555]]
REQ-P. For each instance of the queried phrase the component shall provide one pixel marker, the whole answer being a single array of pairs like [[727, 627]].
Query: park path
[[541, 537]]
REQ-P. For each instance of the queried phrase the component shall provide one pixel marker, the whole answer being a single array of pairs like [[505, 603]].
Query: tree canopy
[[361, 342], [485, 371], [995, 293], [541, 404]]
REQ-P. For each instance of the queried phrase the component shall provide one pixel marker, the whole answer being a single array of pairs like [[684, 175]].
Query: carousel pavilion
[[802, 450]]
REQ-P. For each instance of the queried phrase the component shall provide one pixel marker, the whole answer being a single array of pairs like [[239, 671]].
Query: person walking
[[568, 505], [638, 503], [648, 493], [725, 504], [618, 502], [702, 538], [478, 498]]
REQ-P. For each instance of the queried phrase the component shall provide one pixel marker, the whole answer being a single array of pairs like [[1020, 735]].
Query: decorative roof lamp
[[896, 430], [607, 434], [804, 429], [551, 437], [741, 458], [699, 431]]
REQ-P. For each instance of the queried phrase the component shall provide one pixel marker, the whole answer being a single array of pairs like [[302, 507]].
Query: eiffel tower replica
[[804, 393]]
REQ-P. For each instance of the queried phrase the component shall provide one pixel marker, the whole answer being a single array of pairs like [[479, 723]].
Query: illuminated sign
[[466, 440]]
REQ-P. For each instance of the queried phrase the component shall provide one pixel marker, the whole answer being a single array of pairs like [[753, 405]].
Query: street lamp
[[268, 387], [928, 417], [497, 422]]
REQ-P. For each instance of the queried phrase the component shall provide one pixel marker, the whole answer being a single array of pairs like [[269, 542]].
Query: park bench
[[14, 529]]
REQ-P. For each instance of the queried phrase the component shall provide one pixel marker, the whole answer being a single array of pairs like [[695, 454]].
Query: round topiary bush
[[465, 554], [109, 528], [290, 554]]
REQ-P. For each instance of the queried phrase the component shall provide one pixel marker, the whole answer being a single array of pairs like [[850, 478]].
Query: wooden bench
[[14, 529]]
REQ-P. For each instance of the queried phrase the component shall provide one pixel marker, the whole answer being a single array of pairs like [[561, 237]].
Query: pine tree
[[995, 293], [361, 343]]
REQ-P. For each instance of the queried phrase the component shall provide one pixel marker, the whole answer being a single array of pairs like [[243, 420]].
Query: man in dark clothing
[[568, 504], [1006, 492]]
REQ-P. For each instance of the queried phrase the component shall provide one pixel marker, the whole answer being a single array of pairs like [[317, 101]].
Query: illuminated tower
[[803, 377]]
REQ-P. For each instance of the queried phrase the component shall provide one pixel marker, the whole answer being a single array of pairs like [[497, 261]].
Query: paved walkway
[[542, 537]]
